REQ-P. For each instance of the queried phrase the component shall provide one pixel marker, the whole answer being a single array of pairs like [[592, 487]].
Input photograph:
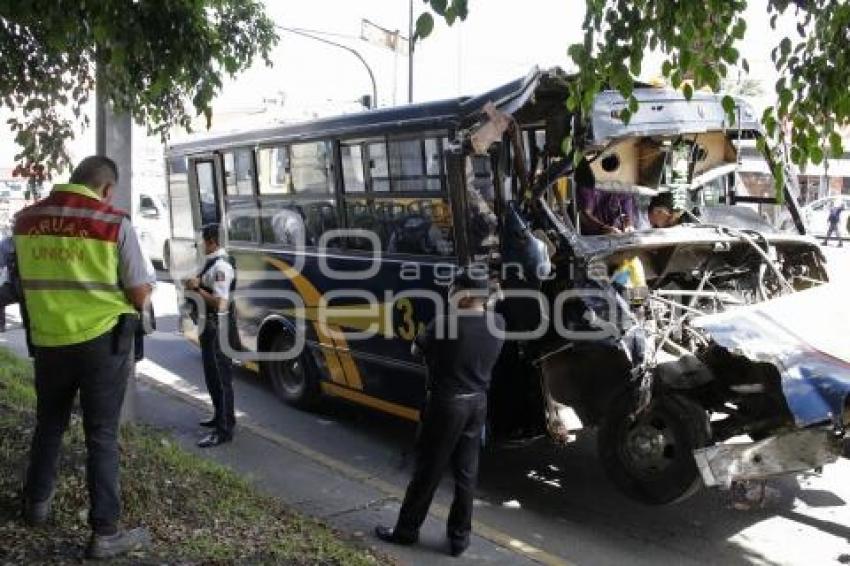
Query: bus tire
[[650, 458], [294, 381]]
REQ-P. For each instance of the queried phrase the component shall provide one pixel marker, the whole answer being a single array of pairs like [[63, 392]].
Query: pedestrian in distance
[[833, 218], [84, 282], [213, 286], [460, 365]]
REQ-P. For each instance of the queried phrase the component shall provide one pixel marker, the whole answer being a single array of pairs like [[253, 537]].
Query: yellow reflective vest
[[67, 254]]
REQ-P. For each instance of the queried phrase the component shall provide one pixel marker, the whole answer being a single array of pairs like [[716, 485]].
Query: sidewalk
[[342, 496]]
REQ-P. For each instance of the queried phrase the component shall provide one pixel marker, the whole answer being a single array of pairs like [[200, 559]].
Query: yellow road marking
[[438, 510]]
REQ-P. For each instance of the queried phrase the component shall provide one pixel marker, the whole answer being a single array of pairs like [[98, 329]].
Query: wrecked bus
[[693, 350]]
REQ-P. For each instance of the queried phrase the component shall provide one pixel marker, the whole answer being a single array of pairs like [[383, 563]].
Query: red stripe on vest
[[66, 226], [34, 224]]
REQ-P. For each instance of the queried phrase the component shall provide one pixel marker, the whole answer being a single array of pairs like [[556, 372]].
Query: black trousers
[[833, 229], [100, 375], [219, 379], [450, 436]]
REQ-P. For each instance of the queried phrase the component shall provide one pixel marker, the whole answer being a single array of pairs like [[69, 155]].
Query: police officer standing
[[213, 285], [460, 368], [84, 282]]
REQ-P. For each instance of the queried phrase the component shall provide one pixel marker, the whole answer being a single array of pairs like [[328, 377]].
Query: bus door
[[195, 201], [194, 198]]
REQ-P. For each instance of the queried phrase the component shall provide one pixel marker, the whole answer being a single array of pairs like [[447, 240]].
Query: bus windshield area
[[707, 178]]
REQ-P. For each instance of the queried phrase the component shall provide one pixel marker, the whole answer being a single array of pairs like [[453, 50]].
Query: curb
[[439, 511]]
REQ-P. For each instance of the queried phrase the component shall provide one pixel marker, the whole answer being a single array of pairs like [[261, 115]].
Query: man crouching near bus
[[460, 365], [214, 284]]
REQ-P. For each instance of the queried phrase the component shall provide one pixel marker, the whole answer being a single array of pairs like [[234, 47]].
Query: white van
[[150, 216]]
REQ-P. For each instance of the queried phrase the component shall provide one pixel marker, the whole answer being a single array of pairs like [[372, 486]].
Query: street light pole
[[341, 46], [410, 55]]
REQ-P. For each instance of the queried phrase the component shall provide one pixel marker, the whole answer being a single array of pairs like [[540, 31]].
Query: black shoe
[[214, 439], [208, 424], [36, 514], [388, 534], [457, 547], [110, 546]]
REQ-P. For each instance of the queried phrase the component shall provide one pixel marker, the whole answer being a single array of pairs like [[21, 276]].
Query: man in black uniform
[[214, 284], [459, 369]]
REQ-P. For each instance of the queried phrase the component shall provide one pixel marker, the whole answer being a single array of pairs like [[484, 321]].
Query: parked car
[[151, 220]]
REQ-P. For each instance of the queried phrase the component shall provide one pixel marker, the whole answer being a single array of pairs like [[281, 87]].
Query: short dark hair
[[660, 201], [583, 175], [210, 232], [95, 171]]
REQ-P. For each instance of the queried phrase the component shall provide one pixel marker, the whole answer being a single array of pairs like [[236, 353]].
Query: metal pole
[[341, 46], [410, 55], [114, 139]]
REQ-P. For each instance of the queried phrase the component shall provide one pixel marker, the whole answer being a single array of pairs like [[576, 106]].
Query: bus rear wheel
[[294, 380], [650, 458]]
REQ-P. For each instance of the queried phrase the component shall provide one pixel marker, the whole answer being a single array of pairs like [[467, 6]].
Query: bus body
[[346, 233]]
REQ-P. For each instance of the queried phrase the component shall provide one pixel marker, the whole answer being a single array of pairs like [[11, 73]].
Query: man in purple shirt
[[602, 212]]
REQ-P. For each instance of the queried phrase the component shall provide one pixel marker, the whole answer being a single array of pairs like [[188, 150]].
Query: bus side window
[[274, 171], [242, 209], [239, 172], [301, 208], [353, 176], [379, 168]]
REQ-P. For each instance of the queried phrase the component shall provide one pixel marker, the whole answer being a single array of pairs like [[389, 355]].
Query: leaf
[[740, 29], [688, 91], [745, 65], [666, 68], [728, 104], [424, 26], [836, 145], [816, 155], [577, 53], [439, 6]]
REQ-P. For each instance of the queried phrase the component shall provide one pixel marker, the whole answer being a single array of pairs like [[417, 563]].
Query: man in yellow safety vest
[[84, 281]]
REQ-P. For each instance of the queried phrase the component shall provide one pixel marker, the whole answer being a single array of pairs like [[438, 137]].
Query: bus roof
[[438, 115], [530, 99]]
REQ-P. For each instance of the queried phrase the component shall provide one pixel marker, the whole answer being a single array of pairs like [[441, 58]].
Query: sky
[[500, 41]]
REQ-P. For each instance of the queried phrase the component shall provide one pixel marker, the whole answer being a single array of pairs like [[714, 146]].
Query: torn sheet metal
[[797, 451], [664, 112], [805, 336]]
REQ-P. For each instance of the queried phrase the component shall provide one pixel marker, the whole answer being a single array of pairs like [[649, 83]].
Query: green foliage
[[161, 61], [198, 511], [699, 38], [449, 10]]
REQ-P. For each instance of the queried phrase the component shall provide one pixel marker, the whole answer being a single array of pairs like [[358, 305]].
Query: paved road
[[556, 500]]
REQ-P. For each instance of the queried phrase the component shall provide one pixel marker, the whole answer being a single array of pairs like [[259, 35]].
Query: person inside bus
[[417, 234], [288, 227], [460, 356], [214, 284], [602, 212], [662, 214]]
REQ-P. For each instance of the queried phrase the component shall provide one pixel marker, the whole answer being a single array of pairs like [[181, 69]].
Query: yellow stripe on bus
[[369, 401], [341, 366]]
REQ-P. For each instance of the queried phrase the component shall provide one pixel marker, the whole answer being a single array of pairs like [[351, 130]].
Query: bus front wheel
[[294, 380], [650, 458]]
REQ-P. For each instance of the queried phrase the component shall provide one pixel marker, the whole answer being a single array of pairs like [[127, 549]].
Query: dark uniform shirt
[[463, 364]]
